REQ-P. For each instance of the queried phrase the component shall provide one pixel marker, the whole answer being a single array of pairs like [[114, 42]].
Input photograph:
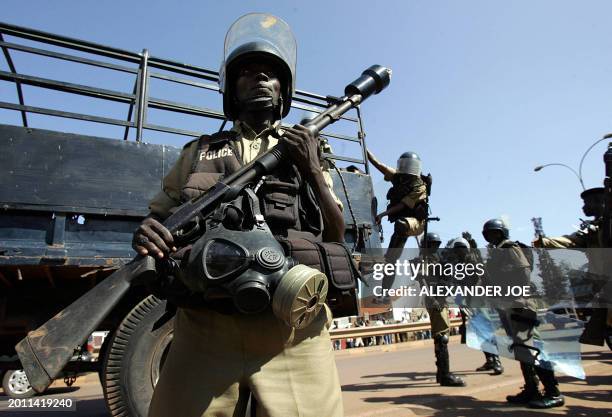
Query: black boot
[[492, 364], [530, 390], [498, 369], [443, 376], [552, 397], [488, 365]]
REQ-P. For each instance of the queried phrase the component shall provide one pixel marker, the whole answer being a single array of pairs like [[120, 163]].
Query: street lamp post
[[587, 151], [540, 167], [578, 173]]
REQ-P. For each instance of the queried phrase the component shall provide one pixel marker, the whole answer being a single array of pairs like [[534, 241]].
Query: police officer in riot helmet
[[438, 313], [589, 236], [495, 231], [462, 252], [511, 264], [222, 353], [408, 203], [431, 242]]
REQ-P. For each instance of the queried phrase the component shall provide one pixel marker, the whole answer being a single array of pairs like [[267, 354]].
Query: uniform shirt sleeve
[[561, 242], [330, 185], [517, 258], [170, 194], [418, 194], [389, 176]]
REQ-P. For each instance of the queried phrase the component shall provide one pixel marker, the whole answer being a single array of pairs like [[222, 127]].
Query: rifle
[[427, 220], [45, 351]]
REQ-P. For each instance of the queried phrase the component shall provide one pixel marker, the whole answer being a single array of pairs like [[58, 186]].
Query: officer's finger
[[292, 141], [152, 236], [154, 250], [303, 129], [143, 245], [140, 249], [163, 232], [158, 242], [293, 138], [303, 133]]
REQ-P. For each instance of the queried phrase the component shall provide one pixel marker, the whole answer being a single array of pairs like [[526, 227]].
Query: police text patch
[[220, 153]]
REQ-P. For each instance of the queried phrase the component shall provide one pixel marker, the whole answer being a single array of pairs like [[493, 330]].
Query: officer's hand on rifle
[[304, 149], [152, 238], [379, 217]]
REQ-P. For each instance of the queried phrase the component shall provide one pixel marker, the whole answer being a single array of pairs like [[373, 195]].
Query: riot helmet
[[258, 37], [460, 243], [495, 231], [409, 163], [431, 241], [594, 201]]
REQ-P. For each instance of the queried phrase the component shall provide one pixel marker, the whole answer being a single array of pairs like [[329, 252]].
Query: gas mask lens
[[224, 258]]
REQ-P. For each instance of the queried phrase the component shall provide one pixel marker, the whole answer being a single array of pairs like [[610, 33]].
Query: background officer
[[588, 237], [508, 265], [408, 208], [438, 312], [225, 355], [466, 252]]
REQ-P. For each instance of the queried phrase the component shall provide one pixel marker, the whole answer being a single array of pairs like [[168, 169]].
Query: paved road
[[399, 381]]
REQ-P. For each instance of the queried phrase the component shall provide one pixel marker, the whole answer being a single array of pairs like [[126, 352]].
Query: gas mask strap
[[255, 209]]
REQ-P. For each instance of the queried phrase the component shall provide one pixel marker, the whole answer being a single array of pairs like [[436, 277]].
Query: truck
[[71, 198]]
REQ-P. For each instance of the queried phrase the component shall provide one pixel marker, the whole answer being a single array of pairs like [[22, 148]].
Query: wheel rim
[[18, 382]]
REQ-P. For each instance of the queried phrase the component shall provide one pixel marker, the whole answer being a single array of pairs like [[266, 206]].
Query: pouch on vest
[[280, 203], [335, 260]]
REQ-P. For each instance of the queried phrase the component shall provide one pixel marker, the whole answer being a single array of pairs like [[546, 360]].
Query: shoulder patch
[[223, 135], [214, 138], [185, 146]]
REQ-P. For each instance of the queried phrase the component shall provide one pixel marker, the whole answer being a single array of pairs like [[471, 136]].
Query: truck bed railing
[[143, 67]]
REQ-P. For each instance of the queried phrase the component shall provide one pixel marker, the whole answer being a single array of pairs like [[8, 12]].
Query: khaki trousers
[[215, 360], [440, 322], [403, 228]]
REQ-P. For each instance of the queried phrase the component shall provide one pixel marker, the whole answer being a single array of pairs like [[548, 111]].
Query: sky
[[483, 91]]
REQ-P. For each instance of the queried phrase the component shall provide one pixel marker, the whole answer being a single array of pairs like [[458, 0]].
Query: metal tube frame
[[139, 100]]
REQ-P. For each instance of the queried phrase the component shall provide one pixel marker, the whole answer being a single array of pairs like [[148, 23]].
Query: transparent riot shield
[[543, 338]]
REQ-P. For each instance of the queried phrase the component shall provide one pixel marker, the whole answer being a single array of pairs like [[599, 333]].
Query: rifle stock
[[45, 351]]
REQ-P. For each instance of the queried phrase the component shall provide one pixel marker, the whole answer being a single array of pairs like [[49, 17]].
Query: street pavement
[[399, 381]]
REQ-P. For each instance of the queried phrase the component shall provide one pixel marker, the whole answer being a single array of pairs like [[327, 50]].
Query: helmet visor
[[266, 32]]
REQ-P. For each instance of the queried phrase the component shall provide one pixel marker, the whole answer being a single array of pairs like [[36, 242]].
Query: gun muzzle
[[372, 81]]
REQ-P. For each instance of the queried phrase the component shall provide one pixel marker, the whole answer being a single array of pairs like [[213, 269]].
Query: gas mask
[[250, 267]]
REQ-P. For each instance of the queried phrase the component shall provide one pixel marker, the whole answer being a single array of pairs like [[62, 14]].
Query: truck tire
[[16, 385], [134, 358], [102, 354]]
